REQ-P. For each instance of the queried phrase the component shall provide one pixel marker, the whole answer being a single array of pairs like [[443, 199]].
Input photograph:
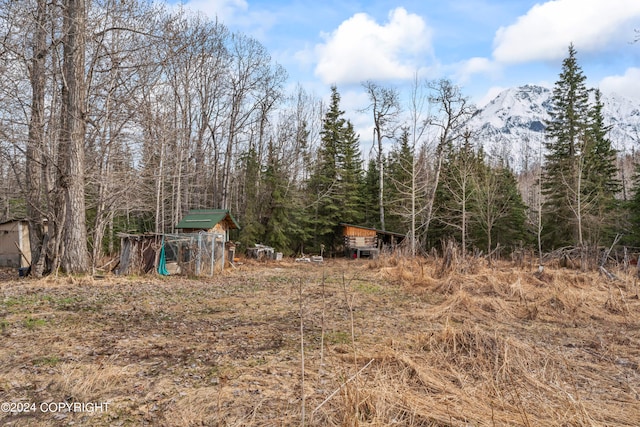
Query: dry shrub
[[412, 272], [386, 260]]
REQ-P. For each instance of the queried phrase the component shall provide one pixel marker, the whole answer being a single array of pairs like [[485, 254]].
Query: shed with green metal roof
[[209, 220]]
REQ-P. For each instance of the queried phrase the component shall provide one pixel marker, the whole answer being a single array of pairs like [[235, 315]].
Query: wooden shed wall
[[360, 241], [352, 231]]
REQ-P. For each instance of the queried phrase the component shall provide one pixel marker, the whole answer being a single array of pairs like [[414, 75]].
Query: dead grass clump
[[397, 276], [499, 281], [555, 303], [88, 382], [469, 348], [204, 406], [616, 302], [412, 273], [387, 260], [462, 306], [467, 376]]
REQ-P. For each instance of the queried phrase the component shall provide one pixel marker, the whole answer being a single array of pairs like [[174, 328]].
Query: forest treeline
[[121, 115]]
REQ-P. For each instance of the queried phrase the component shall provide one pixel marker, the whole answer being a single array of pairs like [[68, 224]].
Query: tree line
[[121, 115]]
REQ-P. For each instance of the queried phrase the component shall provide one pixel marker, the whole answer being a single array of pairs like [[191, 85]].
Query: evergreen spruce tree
[[498, 209], [300, 229], [277, 221], [579, 180], [601, 183], [350, 178], [252, 228], [563, 174], [512, 228], [336, 184], [370, 194], [325, 209], [632, 237], [439, 230], [399, 171]]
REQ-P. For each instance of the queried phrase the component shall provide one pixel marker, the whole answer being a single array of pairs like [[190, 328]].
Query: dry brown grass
[[404, 343]]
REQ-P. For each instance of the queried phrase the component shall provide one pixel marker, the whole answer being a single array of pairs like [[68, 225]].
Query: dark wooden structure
[[365, 242]]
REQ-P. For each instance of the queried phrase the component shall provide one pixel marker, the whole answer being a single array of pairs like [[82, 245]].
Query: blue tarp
[[162, 262]]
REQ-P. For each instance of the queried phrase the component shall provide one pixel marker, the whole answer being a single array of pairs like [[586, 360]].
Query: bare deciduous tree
[[74, 257], [453, 110], [34, 159], [385, 107]]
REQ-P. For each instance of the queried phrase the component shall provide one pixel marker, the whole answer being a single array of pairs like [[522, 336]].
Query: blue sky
[[481, 45]]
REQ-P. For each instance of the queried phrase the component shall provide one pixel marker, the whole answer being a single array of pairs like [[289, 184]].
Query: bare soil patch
[[386, 342]]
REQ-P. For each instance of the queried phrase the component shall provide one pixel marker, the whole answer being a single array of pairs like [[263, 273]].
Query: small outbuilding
[[365, 242], [217, 222], [15, 250], [201, 246], [208, 220]]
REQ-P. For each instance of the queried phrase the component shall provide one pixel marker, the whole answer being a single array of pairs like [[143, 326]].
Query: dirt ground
[[342, 343]]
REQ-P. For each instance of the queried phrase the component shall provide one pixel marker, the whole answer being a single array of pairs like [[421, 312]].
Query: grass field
[[385, 342]]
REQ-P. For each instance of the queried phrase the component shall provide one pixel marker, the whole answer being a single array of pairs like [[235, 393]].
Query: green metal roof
[[206, 219]]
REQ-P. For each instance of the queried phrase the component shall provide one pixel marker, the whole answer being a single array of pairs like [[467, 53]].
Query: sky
[[483, 46]]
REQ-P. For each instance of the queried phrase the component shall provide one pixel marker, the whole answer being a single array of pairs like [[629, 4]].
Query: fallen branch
[[605, 257], [22, 253], [342, 386], [609, 276]]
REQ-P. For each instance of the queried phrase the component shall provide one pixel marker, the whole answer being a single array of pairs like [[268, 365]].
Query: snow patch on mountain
[[511, 126]]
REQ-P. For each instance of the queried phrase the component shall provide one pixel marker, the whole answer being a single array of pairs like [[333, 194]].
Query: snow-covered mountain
[[511, 126]]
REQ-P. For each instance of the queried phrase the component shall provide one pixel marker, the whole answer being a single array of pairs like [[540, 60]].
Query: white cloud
[[476, 65], [361, 49], [625, 85], [547, 29]]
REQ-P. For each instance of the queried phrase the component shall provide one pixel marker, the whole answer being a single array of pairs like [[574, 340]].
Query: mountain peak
[[511, 126]]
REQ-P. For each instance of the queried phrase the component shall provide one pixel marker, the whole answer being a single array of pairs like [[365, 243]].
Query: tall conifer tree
[[399, 174], [580, 181], [279, 207], [252, 228], [351, 178], [602, 184], [371, 192], [632, 237], [563, 170], [336, 184]]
